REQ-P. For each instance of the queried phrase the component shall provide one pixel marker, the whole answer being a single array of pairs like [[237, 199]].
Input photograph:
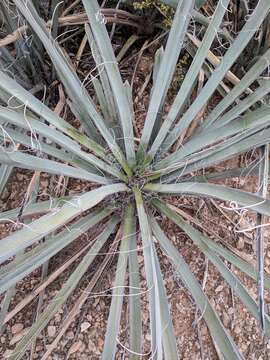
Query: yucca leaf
[[191, 76], [228, 149], [245, 104], [23, 51], [202, 242], [223, 340], [244, 199], [253, 73], [255, 121], [77, 307], [32, 191], [110, 64], [26, 161], [158, 60], [135, 318], [161, 323], [167, 333], [5, 172], [118, 293], [236, 260], [67, 75], [147, 253], [5, 303], [249, 29], [167, 67], [13, 243], [251, 170], [104, 81], [31, 260], [44, 285], [101, 99], [65, 291], [34, 144], [28, 122], [82, 101], [28, 101], [39, 208], [260, 237]]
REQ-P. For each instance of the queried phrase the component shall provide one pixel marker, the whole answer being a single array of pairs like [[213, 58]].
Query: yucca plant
[[132, 179]]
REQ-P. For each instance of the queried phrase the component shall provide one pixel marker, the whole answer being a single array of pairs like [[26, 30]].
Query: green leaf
[[33, 232], [35, 209], [28, 101], [251, 170], [260, 236], [255, 120], [248, 30], [167, 67], [66, 73], [223, 340], [253, 73], [26, 161], [224, 151], [245, 104], [82, 101], [28, 122], [244, 199], [191, 76], [135, 318], [108, 95], [110, 64], [167, 331], [202, 242], [118, 293], [147, 253], [64, 293], [5, 172], [16, 270], [160, 319]]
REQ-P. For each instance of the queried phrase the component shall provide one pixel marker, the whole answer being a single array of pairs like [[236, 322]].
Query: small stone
[[70, 335], [51, 331], [77, 346], [16, 328], [219, 288], [231, 311], [240, 243], [148, 337], [226, 319], [57, 318], [7, 353], [237, 329], [91, 345], [44, 183], [17, 337], [20, 177], [267, 262], [84, 326], [5, 194]]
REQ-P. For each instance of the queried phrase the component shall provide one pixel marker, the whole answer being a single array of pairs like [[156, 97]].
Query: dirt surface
[[84, 337]]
